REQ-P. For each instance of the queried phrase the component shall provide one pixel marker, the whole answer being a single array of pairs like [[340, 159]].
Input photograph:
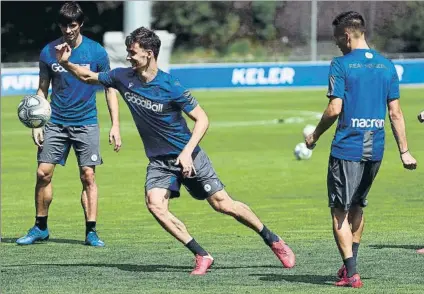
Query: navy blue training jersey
[[72, 101], [156, 108], [365, 81]]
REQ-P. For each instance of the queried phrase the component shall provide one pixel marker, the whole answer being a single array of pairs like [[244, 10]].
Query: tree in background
[[215, 25], [405, 31], [28, 26]]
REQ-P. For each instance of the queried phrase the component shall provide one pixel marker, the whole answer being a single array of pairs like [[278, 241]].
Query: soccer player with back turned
[[156, 101], [362, 85], [73, 123]]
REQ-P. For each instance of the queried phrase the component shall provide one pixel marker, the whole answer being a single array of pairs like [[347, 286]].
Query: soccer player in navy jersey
[[362, 84], [156, 101], [73, 123]]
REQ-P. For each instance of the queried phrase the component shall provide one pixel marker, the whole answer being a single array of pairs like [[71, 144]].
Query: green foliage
[[205, 24], [406, 31], [216, 24], [264, 15]]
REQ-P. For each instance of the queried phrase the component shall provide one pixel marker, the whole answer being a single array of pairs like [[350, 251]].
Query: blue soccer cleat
[[93, 240], [34, 234]]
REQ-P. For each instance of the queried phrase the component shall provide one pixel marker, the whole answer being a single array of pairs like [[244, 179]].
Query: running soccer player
[[156, 101], [362, 83], [73, 123]]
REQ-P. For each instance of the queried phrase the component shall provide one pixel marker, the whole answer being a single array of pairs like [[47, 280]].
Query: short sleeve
[[394, 92], [43, 66], [103, 64], [336, 80], [184, 99], [108, 79]]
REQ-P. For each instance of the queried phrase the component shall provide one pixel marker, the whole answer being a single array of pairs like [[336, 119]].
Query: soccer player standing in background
[[362, 84], [73, 123], [156, 101]]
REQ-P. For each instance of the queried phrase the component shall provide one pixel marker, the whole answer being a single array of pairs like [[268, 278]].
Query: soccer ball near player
[[301, 152], [34, 111], [307, 130]]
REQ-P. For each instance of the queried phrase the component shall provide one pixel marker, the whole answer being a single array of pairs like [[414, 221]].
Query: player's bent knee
[[156, 209], [44, 176], [88, 176], [222, 202], [155, 201]]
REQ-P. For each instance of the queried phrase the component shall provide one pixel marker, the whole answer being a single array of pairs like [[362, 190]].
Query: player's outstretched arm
[[399, 132], [63, 52], [328, 118]]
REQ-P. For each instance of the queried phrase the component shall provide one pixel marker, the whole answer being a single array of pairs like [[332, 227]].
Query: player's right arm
[[398, 123], [43, 91], [63, 52], [336, 86], [43, 86]]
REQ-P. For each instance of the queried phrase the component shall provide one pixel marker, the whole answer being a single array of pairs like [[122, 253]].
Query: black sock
[[268, 236], [41, 222], [196, 248], [90, 227], [355, 248], [350, 264]]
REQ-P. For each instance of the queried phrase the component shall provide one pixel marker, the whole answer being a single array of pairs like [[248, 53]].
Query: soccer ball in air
[[34, 111], [301, 152], [307, 130]]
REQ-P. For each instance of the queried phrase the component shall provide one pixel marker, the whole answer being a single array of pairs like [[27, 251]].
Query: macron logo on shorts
[[367, 123], [143, 102]]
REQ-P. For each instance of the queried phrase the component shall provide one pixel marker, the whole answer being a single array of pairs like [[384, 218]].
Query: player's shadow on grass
[[393, 246], [308, 279], [53, 240], [147, 268], [170, 268]]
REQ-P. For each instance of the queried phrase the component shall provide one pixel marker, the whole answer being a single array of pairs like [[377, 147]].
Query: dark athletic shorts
[[163, 173], [58, 140], [348, 182]]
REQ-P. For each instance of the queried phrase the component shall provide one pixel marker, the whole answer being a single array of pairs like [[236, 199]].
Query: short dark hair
[[350, 20], [70, 12], [147, 39]]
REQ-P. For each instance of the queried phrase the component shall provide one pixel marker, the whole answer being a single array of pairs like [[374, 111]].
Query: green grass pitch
[[253, 156]]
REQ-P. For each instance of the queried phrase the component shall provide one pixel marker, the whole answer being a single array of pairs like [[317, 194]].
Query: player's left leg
[[223, 203], [356, 222], [206, 185], [343, 179], [344, 240], [366, 176], [86, 142], [89, 199]]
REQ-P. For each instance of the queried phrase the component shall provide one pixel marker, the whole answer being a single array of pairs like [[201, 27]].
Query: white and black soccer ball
[[301, 152], [34, 111]]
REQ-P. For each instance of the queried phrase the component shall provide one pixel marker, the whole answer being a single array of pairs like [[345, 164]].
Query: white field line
[[302, 116]]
